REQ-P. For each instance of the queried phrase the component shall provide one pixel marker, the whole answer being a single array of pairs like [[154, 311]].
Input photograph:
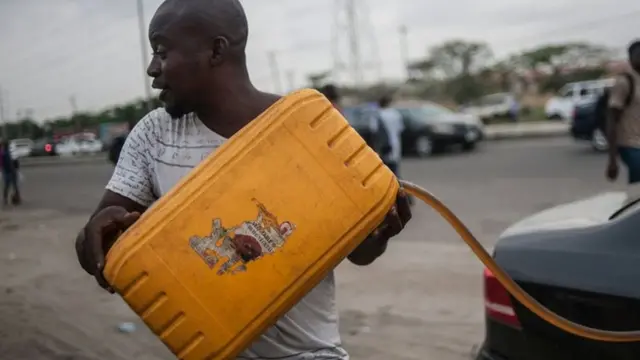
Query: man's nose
[[153, 69]]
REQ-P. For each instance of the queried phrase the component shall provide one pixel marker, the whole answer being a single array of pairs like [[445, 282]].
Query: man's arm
[[130, 186], [616, 105], [613, 119], [109, 198]]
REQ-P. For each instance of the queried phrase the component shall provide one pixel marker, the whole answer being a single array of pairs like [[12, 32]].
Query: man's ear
[[220, 47]]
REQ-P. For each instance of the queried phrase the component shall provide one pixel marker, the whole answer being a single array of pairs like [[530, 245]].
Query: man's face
[[179, 66], [634, 59]]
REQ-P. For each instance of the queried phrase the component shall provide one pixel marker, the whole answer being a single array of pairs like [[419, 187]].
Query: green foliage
[[126, 113], [457, 70]]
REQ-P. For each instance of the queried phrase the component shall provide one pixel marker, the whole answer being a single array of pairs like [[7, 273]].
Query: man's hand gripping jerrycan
[[259, 223]]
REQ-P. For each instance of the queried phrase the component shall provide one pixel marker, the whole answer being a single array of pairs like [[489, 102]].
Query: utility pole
[[275, 72], [74, 104], [3, 124], [18, 121], [74, 111], [291, 80], [404, 49], [336, 35], [145, 57], [354, 41]]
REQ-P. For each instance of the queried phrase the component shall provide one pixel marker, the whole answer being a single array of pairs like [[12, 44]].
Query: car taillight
[[497, 302], [47, 148]]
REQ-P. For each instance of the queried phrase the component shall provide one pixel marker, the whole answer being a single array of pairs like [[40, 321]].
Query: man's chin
[[176, 112]]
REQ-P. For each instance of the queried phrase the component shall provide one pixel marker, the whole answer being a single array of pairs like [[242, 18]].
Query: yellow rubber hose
[[510, 285]]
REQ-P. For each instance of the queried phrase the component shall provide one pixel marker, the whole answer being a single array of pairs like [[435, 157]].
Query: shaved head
[[208, 19], [199, 48]]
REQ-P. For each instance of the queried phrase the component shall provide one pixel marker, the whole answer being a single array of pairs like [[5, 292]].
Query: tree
[[421, 70], [558, 57], [459, 58], [566, 62]]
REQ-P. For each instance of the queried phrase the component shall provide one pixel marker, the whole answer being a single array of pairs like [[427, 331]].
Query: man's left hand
[[376, 243], [396, 219]]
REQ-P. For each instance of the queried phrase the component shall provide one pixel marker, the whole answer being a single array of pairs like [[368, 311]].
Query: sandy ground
[[421, 301]]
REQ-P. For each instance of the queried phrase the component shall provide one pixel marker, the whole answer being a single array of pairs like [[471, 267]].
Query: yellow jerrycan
[[252, 229]]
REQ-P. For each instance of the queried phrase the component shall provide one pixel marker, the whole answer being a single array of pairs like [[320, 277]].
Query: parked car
[[20, 148], [44, 147], [494, 106], [79, 144], [429, 127], [584, 126], [580, 260], [561, 106], [361, 118]]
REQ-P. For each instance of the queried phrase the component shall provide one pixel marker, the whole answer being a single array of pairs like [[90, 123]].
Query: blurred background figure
[[9, 176], [389, 134], [332, 93]]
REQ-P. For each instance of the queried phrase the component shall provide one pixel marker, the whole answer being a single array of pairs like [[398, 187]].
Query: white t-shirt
[[158, 152], [392, 121]]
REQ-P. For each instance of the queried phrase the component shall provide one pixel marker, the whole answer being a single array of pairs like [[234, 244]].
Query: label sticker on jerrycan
[[232, 249]]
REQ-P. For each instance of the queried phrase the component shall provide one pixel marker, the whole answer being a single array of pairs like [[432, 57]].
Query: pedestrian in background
[[388, 129], [623, 121], [331, 92], [9, 176]]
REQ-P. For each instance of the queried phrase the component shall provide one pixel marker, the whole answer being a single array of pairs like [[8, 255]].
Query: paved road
[[54, 302], [489, 188]]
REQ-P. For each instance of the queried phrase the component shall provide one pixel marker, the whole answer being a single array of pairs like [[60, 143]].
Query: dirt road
[[421, 301]]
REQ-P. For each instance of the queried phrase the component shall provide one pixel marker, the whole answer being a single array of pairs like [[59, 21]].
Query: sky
[[89, 50]]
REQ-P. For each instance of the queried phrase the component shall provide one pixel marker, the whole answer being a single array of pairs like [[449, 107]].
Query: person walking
[[9, 176], [389, 134], [623, 120]]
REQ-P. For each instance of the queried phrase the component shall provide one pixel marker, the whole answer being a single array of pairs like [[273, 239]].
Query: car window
[[566, 92], [355, 116], [413, 117], [433, 109]]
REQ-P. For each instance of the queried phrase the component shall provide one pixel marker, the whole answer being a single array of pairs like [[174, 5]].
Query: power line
[[591, 24], [404, 47], [354, 41], [372, 39]]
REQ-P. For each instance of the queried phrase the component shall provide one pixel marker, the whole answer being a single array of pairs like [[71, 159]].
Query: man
[[389, 128], [9, 175], [330, 91], [624, 120], [116, 148], [199, 64]]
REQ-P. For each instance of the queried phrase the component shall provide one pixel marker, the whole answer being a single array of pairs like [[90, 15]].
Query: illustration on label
[[233, 248]]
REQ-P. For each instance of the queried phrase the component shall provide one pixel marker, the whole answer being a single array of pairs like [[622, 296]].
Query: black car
[[43, 147], [429, 128], [584, 126], [580, 260]]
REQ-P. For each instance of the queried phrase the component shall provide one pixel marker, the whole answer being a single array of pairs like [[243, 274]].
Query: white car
[[500, 105], [78, 145], [561, 107], [20, 148]]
